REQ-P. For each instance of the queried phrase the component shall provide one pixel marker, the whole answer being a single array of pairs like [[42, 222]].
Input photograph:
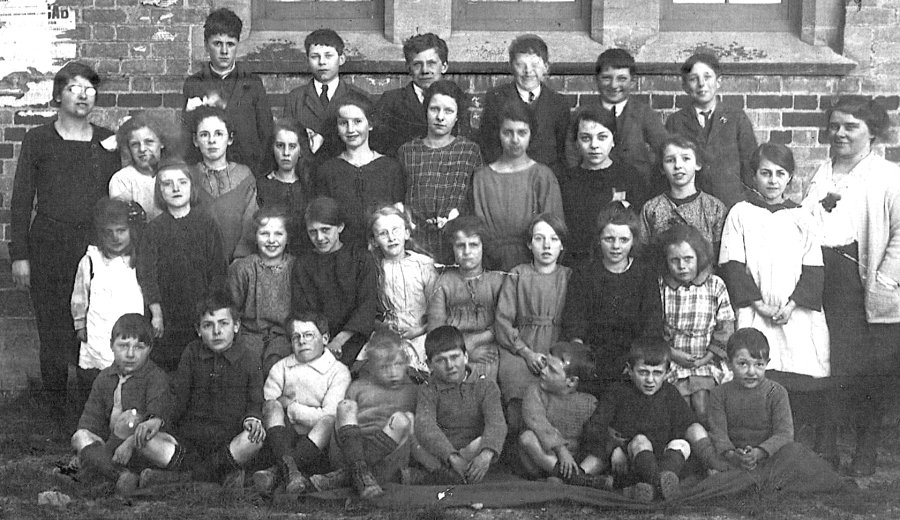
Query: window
[[308, 15], [730, 15], [521, 16]]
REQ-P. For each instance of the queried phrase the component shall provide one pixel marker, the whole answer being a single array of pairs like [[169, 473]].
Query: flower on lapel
[[723, 120]]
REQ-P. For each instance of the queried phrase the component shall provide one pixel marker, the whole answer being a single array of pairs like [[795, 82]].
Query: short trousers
[[692, 384]]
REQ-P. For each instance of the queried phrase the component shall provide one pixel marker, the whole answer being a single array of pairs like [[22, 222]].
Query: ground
[[32, 445]]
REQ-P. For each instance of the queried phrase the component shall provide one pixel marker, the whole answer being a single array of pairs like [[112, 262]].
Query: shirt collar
[[231, 355], [222, 75], [321, 364], [620, 106], [332, 87], [441, 385], [523, 94], [420, 93]]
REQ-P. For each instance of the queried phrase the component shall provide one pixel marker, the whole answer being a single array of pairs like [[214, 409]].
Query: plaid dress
[[698, 319], [437, 180]]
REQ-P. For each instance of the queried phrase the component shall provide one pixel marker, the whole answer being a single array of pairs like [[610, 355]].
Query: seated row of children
[[217, 419]]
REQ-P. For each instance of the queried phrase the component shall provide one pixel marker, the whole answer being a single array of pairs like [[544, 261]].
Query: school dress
[[105, 289], [293, 197], [469, 304], [437, 181], [586, 192], [360, 190], [244, 99], [507, 202], [68, 178], [229, 195], [179, 262], [727, 143], [529, 314], [701, 210], [404, 288], [130, 185], [770, 253], [342, 286], [608, 311]]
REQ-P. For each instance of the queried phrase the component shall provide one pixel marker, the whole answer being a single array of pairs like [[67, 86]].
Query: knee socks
[[307, 454], [381, 445], [349, 438], [671, 460], [645, 467]]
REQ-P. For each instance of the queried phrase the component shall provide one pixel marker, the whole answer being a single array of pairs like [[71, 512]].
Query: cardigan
[[247, 105]]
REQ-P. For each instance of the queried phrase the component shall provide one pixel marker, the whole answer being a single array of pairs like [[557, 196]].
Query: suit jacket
[[638, 136], [727, 149], [303, 105], [401, 118], [248, 109], [548, 140]]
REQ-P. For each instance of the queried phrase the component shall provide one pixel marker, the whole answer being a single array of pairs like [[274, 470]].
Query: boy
[[374, 421], [459, 418], [529, 61], [596, 182], [218, 396], [129, 403], [640, 428], [637, 128], [231, 86], [302, 393], [555, 412], [725, 134], [401, 115], [313, 105], [751, 425]]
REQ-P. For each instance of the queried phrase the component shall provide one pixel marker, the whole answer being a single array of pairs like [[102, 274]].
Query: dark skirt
[[844, 303]]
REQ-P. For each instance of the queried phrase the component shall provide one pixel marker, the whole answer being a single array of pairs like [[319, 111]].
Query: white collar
[[524, 93], [420, 93], [620, 106], [332, 86]]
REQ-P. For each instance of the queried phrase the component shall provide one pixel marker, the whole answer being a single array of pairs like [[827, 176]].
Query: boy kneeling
[[459, 417], [555, 413], [129, 403], [375, 420], [640, 428], [302, 393]]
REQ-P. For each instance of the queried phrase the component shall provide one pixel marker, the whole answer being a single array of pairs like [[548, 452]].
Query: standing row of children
[[334, 293]]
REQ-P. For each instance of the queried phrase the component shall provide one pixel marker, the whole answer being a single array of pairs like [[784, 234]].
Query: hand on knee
[[347, 411]]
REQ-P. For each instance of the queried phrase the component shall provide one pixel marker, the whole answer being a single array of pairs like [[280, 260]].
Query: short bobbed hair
[[617, 214], [868, 111], [324, 210], [174, 163], [752, 339], [443, 339], [67, 73], [684, 233]]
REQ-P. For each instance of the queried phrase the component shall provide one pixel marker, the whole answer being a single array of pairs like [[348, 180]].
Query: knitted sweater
[[557, 419], [759, 417]]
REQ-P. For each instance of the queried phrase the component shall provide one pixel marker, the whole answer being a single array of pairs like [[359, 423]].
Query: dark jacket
[[303, 105]]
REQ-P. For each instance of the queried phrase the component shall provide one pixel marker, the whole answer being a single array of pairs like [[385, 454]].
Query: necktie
[[323, 97], [706, 115], [615, 117], [117, 402], [530, 98]]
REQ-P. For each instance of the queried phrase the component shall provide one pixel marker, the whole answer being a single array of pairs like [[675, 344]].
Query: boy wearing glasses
[[302, 393]]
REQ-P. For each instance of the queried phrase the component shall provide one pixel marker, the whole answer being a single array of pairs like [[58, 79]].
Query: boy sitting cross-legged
[[375, 420], [129, 403], [640, 428], [459, 418], [302, 393], [218, 398], [555, 412]]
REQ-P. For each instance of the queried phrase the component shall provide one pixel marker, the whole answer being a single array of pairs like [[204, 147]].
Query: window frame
[[535, 16], [727, 17], [365, 15]]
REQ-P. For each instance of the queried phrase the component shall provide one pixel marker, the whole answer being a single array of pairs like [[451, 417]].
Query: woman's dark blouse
[[609, 311], [340, 285], [68, 177]]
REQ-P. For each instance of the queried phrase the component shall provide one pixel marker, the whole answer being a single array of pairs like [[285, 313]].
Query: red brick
[[103, 16], [892, 154], [143, 66], [104, 50], [14, 133], [178, 50], [105, 99], [781, 136], [588, 99], [808, 119], [103, 32], [141, 84], [115, 83], [806, 102], [139, 100], [770, 101], [6, 151], [733, 101], [23, 118], [662, 101]]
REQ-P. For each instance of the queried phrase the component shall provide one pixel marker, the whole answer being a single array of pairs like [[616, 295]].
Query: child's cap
[[749, 338], [444, 339], [651, 351], [598, 115], [325, 37], [222, 21], [614, 59], [216, 300], [133, 325], [578, 359], [529, 44], [710, 60]]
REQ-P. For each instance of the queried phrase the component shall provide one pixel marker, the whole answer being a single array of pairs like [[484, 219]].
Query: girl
[[106, 286], [63, 170], [529, 309], [260, 286], [360, 179], [289, 185], [179, 261], [698, 315], [439, 167], [613, 300], [141, 145], [337, 280], [405, 280], [683, 203], [511, 191], [227, 189]]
